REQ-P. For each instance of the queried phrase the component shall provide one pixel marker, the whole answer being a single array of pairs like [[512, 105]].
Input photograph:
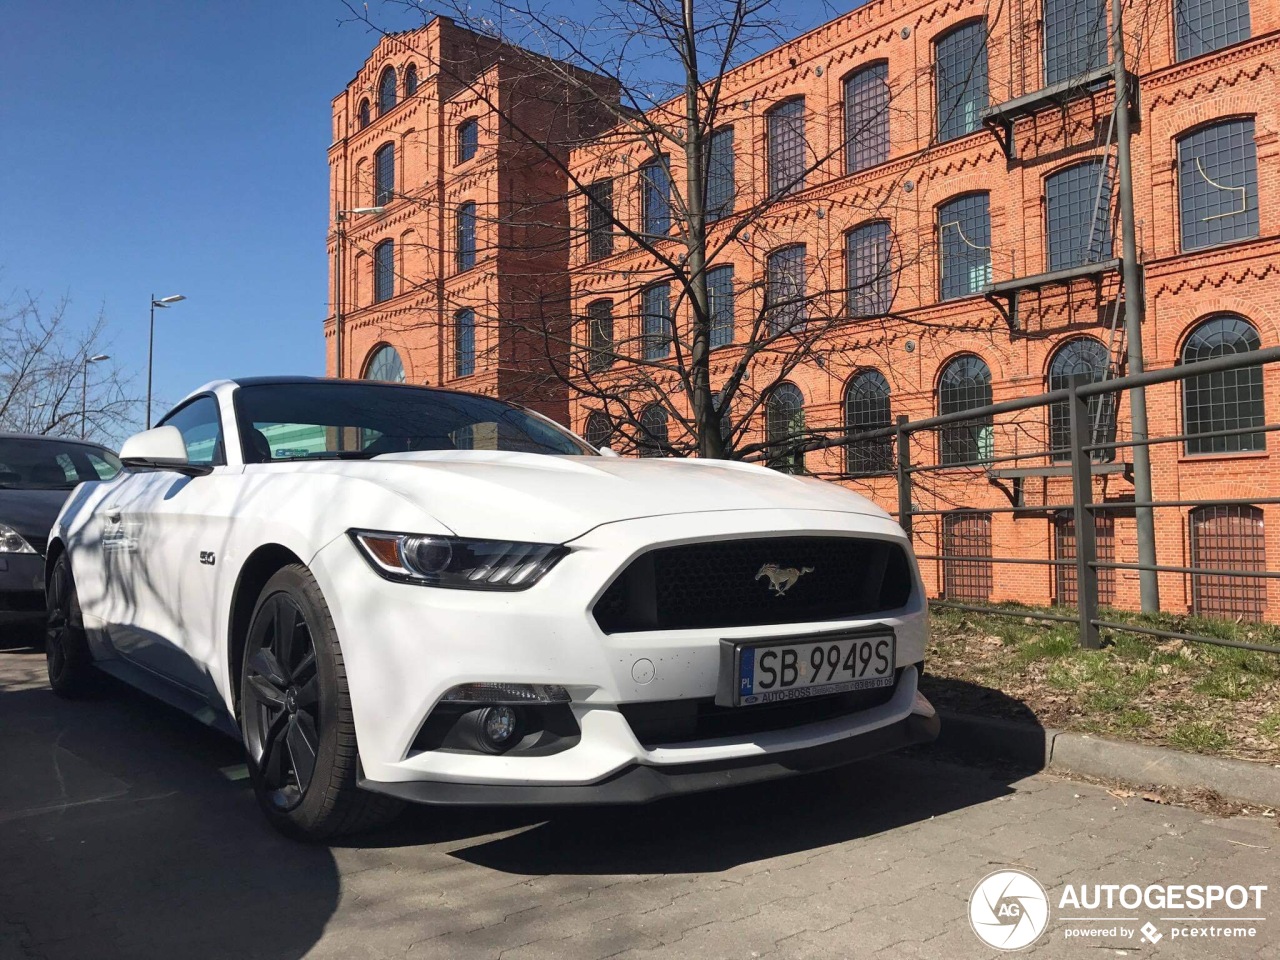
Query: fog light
[[499, 726]]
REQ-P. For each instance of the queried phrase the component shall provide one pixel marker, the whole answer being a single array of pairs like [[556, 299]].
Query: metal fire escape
[[1098, 260], [1001, 119]]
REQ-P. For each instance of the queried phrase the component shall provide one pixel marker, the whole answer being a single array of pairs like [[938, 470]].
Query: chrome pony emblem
[[782, 579]]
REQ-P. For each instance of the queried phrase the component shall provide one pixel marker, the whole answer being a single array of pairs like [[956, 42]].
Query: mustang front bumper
[[404, 646]]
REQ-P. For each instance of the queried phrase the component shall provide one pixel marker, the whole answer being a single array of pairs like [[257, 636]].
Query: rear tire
[[66, 648], [295, 716]]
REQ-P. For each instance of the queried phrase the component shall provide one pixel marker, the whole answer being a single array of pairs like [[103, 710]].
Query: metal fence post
[[1082, 498], [904, 475]]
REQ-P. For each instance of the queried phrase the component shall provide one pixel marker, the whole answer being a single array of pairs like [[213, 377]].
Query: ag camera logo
[[1008, 910]]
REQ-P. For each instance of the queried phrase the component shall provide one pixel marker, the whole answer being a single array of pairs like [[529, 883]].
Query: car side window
[[201, 429], [105, 469]]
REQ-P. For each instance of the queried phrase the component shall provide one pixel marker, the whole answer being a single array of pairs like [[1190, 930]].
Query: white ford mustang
[[398, 593]]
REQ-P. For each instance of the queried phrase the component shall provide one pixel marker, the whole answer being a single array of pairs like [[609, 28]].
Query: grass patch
[[1196, 696], [1198, 738]]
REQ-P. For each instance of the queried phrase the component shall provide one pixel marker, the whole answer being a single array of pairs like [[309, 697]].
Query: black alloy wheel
[[66, 649], [282, 722], [296, 719]]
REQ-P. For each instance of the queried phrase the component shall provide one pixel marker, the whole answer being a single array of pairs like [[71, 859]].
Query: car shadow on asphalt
[[715, 831], [21, 636], [126, 830]]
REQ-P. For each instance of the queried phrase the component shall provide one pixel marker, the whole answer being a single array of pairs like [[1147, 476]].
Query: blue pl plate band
[[747, 671]]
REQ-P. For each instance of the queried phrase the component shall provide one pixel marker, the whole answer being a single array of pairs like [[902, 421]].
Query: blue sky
[[162, 147]]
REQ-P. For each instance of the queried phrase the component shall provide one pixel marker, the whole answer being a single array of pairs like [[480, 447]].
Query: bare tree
[[649, 76], [50, 381]]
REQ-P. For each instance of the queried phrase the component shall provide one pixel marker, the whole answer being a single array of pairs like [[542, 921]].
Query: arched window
[[868, 250], [784, 428], [385, 365], [598, 430], [600, 335], [1218, 184], [410, 80], [965, 384], [655, 197], [468, 139], [1204, 25], [1088, 356], [384, 271], [786, 289], [464, 343], [866, 118], [964, 245], [1228, 537], [466, 236], [386, 90], [1075, 38], [787, 147], [1078, 215], [721, 174], [960, 73], [384, 174], [655, 322], [966, 553], [866, 407], [364, 113], [653, 431], [1230, 400]]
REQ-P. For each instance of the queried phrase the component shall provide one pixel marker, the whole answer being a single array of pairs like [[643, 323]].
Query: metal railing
[[1077, 463]]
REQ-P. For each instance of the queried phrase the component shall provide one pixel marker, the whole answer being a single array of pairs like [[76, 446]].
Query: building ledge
[[1004, 296]]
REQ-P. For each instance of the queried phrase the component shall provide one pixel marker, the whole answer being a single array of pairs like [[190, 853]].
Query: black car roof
[[53, 439]]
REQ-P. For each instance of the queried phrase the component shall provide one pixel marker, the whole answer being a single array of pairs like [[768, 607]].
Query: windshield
[[354, 420], [31, 463]]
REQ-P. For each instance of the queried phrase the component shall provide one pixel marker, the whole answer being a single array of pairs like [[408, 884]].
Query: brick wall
[[523, 274]]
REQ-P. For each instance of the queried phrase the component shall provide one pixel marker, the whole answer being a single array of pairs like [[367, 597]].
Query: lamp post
[[339, 253], [162, 303], [84, 391]]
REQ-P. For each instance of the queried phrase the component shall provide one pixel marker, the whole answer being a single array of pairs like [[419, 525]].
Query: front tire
[[66, 648], [295, 716]]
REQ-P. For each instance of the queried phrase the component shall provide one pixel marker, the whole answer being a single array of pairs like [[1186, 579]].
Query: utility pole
[[1134, 313]]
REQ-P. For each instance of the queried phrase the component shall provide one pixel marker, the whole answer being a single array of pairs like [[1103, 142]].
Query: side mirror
[[161, 448], [607, 451]]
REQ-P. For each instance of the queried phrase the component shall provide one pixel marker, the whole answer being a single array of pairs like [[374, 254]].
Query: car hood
[[31, 513], [552, 499]]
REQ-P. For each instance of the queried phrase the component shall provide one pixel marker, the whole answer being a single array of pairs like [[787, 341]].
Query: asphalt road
[[127, 831]]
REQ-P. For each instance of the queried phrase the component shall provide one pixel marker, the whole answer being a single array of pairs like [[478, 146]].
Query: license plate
[[794, 669]]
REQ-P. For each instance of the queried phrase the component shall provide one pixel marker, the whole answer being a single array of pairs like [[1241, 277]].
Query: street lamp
[[84, 390], [339, 252], [163, 303]]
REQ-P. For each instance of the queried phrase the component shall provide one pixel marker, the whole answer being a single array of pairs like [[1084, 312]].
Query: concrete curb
[[1082, 753]]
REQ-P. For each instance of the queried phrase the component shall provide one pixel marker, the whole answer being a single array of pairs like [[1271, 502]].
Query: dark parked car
[[36, 475]]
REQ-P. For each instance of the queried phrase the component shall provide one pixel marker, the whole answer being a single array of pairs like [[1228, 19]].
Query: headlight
[[11, 541], [457, 562]]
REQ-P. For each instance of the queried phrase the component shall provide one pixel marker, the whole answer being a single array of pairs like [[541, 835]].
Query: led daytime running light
[[458, 562]]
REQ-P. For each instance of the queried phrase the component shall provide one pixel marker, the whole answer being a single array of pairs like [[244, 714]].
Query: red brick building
[[976, 182]]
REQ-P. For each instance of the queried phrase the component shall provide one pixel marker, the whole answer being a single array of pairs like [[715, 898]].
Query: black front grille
[[683, 721], [727, 584]]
